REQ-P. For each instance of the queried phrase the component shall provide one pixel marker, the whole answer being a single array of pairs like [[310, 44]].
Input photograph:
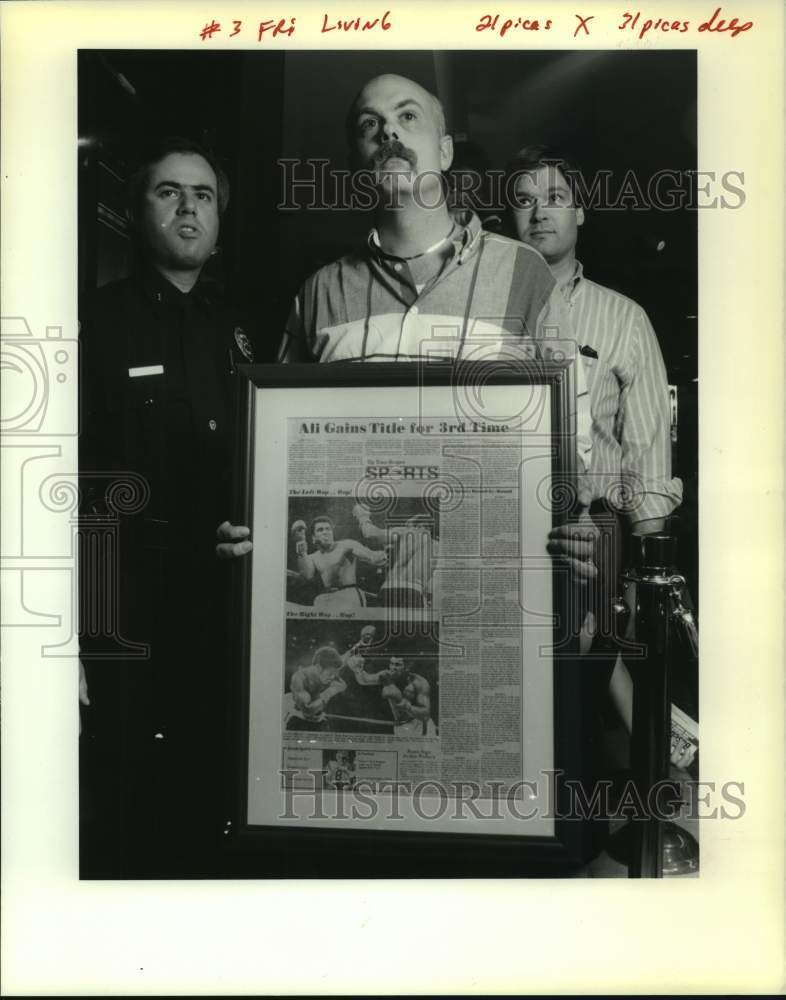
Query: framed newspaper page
[[409, 701]]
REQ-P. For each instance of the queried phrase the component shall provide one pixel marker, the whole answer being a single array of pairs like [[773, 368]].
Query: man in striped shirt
[[630, 470], [631, 448]]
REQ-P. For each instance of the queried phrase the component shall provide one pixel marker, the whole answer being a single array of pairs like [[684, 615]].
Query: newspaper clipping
[[404, 649]]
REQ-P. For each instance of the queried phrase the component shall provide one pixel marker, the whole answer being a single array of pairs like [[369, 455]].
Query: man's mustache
[[391, 149]]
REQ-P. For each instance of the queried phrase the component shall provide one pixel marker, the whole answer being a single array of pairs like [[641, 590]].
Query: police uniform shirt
[[157, 368]]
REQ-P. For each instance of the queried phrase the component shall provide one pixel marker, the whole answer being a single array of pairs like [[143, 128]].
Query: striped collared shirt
[[631, 447], [488, 293]]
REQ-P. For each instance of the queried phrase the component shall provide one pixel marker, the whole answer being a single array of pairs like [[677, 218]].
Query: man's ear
[[579, 216], [446, 151]]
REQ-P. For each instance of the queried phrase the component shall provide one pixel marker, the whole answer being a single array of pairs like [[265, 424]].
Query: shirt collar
[[158, 288], [465, 237]]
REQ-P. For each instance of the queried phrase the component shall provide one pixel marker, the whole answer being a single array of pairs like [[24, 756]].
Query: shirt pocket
[[143, 406], [590, 369]]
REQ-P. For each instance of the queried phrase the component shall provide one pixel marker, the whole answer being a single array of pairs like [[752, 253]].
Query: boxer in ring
[[334, 562]]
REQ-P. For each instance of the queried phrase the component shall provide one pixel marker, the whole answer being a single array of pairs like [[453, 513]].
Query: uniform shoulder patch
[[244, 344]]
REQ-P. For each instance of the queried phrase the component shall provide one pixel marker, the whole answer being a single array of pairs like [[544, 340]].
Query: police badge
[[244, 345]]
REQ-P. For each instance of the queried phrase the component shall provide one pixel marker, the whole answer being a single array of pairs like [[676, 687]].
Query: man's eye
[[204, 195], [168, 192], [524, 201], [409, 116], [559, 198], [366, 124]]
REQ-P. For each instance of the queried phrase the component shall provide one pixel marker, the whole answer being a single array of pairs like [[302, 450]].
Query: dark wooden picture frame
[[320, 851]]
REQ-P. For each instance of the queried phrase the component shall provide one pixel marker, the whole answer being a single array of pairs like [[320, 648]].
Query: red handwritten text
[[582, 25], [356, 24], [280, 27], [720, 25], [662, 24], [491, 22], [209, 30]]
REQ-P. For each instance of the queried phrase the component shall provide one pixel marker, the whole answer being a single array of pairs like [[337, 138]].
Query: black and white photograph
[[345, 555], [360, 677], [425, 203], [309, 769], [339, 768]]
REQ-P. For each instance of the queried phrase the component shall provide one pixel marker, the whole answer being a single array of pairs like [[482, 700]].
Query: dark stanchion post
[[652, 582]]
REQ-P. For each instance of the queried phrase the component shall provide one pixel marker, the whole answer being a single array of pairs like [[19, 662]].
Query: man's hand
[[83, 696], [573, 543], [233, 540], [682, 753]]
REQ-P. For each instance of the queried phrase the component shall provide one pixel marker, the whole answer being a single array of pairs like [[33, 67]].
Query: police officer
[[158, 352]]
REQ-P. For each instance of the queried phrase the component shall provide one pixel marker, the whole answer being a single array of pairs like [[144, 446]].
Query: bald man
[[426, 284]]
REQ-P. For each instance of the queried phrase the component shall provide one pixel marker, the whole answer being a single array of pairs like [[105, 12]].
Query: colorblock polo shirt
[[371, 306], [488, 293]]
